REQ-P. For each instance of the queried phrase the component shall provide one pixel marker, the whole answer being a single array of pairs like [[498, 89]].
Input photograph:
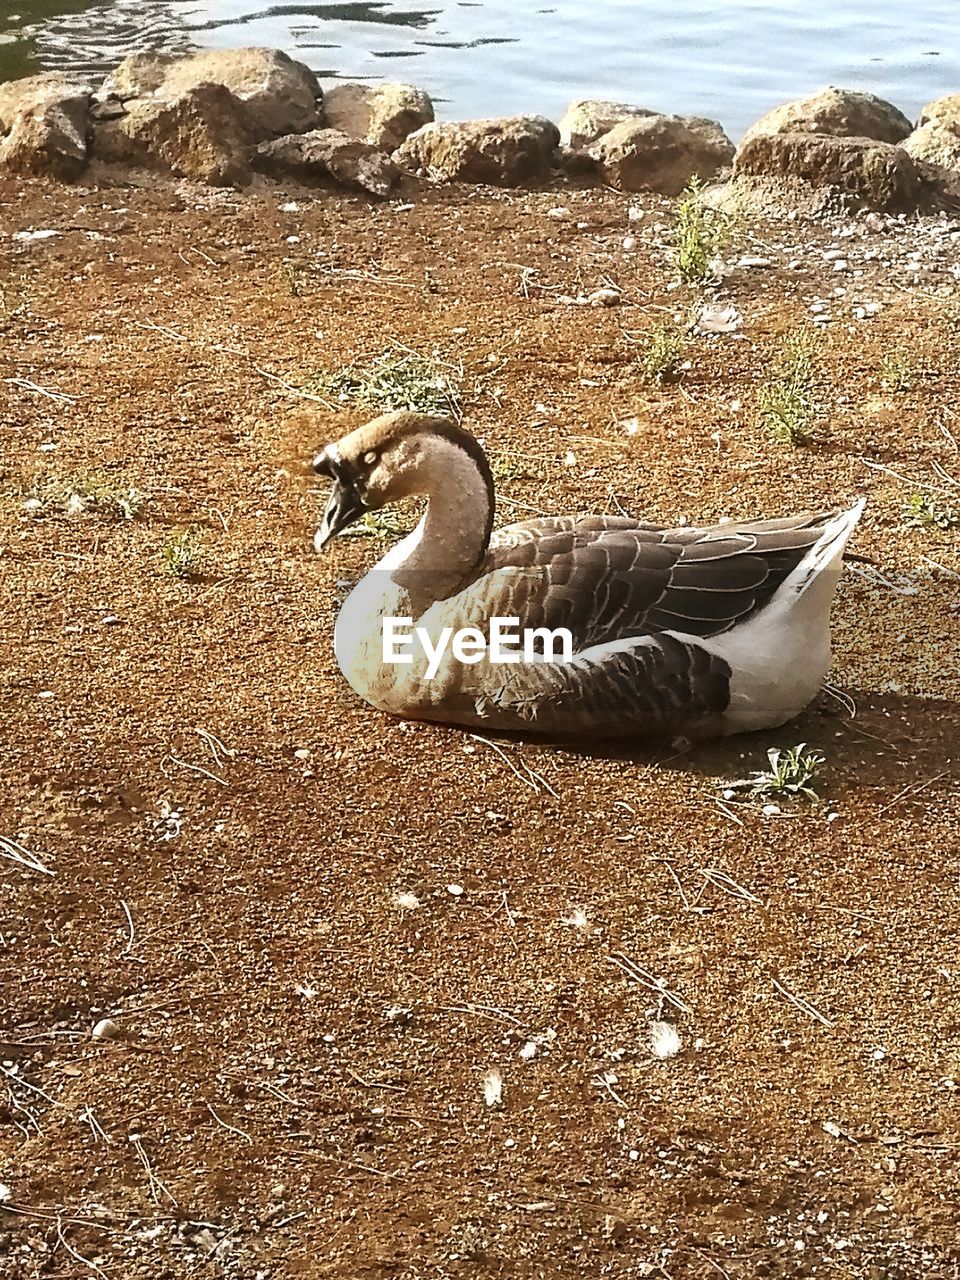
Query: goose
[[678, 632]]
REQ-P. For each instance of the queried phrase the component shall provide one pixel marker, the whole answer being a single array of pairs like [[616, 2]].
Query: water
[[731, 59]]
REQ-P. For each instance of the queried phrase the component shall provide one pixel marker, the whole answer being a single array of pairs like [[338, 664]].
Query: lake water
[[732, 59]]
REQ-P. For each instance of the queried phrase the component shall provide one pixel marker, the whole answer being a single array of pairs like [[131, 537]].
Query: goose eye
[[369, 459]]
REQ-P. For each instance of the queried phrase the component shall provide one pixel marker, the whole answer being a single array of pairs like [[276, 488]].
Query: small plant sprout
[[664, 354], [896, 373], [792, 772], [399, 378], [386, 525], [88, 494], [702, 234], [182, 552], [787, 405], [924, 511]]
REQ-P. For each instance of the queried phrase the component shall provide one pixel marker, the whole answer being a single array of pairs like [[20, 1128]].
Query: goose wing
[[607, 578]]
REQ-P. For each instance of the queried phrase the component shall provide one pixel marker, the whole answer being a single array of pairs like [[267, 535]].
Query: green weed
[[793, 771], [182, 552], [896, 373], [702, 234], [923, 511], [787, 405], [664, 353], [399, 378]]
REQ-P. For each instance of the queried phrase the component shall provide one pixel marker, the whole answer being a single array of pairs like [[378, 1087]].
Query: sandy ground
[[308, 1011]]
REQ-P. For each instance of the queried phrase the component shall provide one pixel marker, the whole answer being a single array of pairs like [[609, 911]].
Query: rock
[[281, 96], [43, 126], [204, 135], [935, 143], [32, 93], [874, 175], [841, 113], [107, 1029], [662, 153], [503, 152], [936, 138], [946, 110], [383, 114], [49, 142], [587, 120], [327, 153]]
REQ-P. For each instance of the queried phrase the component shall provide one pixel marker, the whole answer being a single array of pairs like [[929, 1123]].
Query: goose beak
[[345, 504]]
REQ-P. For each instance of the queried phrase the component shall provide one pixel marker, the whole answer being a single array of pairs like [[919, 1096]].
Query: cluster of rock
[[214, 117], [218, 117]]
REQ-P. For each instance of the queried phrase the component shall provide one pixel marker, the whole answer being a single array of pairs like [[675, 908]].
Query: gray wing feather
[[608, 578]]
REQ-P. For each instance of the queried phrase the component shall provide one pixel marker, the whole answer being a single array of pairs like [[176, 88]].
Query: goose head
[[394, 456]]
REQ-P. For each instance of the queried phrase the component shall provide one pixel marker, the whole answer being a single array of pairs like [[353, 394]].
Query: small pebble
[[107, 1029], [455, 890], [301, 753]]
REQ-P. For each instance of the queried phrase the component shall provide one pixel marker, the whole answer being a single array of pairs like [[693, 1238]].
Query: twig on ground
[[229, 1127], [803, 1005], [195, 768], [157, 1188], [481, 1011], [17, 853], [131, 932], [373, 1084], [96, 1128], [26, 385], [916, 484], [533, 780], [296, 391], [216, 747], [720, 880], [645, 978], [841, 696], [913, 790], [78, 1257]]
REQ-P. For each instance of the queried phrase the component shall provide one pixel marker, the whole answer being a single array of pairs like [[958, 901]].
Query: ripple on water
[[732, 59]]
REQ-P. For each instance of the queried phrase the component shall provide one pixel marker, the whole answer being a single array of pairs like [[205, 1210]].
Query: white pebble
[[629, 243], [664, 1040], [493, 1088], [107, 1029], [406, 901], [6, 1195], [455, 890]]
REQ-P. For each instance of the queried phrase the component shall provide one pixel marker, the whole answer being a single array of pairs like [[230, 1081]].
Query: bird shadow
[[874, 740]]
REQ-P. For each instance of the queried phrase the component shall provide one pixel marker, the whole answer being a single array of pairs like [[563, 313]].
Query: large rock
[[503, 152], [871, 174], [205, 135], [32, 93], [327, 153], [662, 153], [936, 138], [50, 143], [841, 113], [281, 96], [43, 126], [587, 120], [382, 114]]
